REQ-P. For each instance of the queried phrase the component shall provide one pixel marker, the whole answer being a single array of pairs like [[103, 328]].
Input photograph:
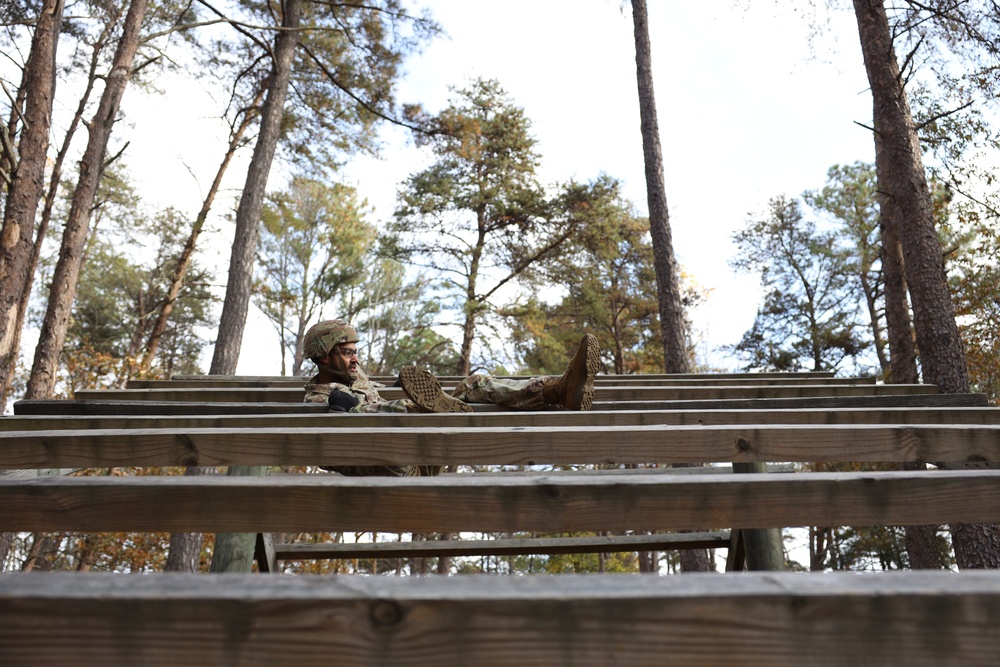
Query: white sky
[[749, 107]]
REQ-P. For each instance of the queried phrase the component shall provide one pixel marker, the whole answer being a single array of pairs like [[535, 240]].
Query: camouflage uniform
[[362, 389], [319, 340], [516, 394]]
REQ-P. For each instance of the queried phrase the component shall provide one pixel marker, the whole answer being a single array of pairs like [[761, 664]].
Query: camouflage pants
[[516, 394]]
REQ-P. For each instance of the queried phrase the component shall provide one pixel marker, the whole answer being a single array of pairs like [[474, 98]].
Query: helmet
[[323, 336]]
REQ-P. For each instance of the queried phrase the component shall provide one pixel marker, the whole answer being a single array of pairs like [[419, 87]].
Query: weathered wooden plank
[[389, 379], [102, 407], [601, 393], [894, 415], [497, 445], [815, 402], [600, 380], [505, 547], [779, 619], [556, 504], [105, 407]]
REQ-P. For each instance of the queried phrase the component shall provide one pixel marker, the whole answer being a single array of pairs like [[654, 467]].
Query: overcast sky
[[754, 100]]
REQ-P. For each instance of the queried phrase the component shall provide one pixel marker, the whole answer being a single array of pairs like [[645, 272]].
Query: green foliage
[[396, 317], [808, 319], [313, 245], [605, 270], [849, 198], [477, 215], [974, 278], [346, 66], [124, 279]]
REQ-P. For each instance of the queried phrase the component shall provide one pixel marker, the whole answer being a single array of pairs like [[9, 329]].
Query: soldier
[[344, 387], [341, 384]]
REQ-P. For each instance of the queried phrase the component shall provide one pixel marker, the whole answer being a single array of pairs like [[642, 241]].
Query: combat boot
[[421, 387], [575, 388]]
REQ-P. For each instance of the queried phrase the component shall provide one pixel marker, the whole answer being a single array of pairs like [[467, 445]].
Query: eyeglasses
[[347, 352]]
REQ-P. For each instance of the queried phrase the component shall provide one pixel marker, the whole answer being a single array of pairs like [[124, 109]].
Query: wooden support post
[[264, 553], [234, 552], [762, 546]]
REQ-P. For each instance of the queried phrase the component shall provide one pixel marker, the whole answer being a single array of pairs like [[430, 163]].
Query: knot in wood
[[385, 612], [743, 445]]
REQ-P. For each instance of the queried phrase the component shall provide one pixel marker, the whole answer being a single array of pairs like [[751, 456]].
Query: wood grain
[[564, 503], [497, 445], [889, 415], [779, 619], [506, 547], [601, 393]]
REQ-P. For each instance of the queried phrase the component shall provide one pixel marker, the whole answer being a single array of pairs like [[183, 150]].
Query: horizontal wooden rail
[[555, 504], [497, 445], [782, 619], [97, 406], [506, 547], [600, 381], [813, 402], [457, 378], [602, 393], [892, 415]]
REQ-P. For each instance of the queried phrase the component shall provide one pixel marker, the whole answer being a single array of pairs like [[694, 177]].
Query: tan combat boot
[[575, 389], [421, 387]]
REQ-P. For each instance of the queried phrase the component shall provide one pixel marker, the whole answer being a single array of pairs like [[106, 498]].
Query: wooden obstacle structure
[[755, 618]]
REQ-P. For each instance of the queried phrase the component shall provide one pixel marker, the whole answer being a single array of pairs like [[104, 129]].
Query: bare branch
[[181, 28], [364, 105], [107, 163], [944, 114], [9, 150]]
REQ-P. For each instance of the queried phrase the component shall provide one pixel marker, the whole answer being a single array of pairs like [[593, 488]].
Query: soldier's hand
[[341, 401]]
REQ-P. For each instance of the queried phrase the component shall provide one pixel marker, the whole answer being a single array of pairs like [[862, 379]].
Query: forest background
[[764, 115], [733, 134]]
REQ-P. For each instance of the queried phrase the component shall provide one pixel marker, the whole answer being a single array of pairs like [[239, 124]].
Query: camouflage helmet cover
[[323, 336]]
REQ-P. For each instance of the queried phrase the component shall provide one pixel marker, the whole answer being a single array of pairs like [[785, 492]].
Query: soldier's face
[[343, 361]]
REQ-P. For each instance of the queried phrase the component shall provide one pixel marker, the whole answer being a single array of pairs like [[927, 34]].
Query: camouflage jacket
[[362, 389]]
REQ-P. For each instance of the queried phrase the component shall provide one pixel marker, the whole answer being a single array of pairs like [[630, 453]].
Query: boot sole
[[584, 399], [421, 387]]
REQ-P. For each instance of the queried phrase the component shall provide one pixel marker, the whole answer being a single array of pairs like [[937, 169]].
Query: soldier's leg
[[574, 389], [514, 394], [421, 387]]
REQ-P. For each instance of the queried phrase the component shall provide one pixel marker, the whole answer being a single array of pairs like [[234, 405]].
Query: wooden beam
[[116, 407], [39, 407], [600, 381], [497, 446], [814, 402], [389, 379], [889, 619], [892, 415], [604, 393], [506, 547], [571, 503]]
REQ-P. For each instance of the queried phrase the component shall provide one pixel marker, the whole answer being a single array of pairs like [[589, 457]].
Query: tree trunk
[[901, 179], [921, 541], [241, 262], [675, 359], [67, 272], [185, 548], [6, 540], [53, 190], [27, 184], [696, 560], [184, 261], [902, 351], [871, 303]]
